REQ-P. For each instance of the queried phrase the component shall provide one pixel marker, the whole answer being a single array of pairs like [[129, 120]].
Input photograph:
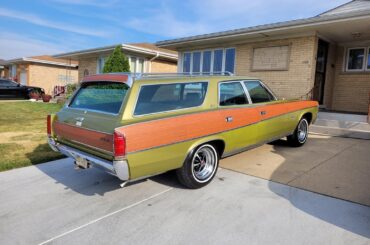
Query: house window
[[13, 71], [101, 63], [230, 60], [207, 56], [217, 60], [196, 61], [137, 65], [209, 61], [186, 62], [356, 59]]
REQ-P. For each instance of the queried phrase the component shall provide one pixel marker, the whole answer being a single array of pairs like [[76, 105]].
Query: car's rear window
[[167, 97], [100, 96]]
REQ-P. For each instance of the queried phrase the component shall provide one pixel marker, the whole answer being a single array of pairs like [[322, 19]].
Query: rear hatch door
[[88, 121]]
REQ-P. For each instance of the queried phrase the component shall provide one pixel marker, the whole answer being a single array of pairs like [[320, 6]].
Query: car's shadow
[[92, 181], [344, 214]]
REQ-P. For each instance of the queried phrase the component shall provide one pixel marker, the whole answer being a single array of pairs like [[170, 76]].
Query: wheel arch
[[308, 116], [217, 142]]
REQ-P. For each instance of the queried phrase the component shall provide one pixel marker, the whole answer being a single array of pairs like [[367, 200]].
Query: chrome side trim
[[118, 168]]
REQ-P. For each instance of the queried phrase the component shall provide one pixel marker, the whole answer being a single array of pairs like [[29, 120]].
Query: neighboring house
[[2, 73], [326, 56], [42, 71], [143, 57]]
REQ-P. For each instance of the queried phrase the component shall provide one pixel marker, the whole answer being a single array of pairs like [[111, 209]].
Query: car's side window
[[258, 93], [232, 93], [167, 97]]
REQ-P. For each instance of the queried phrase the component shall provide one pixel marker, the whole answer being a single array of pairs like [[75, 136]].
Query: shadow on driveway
[[343, 175], [93, 181]]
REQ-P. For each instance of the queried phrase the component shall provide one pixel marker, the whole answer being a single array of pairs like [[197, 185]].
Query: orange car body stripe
[[150, 134], [88, 137]]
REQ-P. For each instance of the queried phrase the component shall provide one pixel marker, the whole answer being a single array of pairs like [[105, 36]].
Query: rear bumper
[[117, 168]]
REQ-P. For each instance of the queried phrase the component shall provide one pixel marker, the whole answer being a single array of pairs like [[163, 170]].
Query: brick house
[[143, 57], [41, 71], [326, 57], [2, 72]]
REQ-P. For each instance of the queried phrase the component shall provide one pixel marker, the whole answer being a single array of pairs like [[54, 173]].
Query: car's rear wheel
[[199, 168], [299, 137]]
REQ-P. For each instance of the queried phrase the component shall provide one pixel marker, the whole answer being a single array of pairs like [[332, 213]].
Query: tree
[[116, 62]]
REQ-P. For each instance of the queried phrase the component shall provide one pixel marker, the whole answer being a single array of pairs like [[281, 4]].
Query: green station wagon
[[134, 126]]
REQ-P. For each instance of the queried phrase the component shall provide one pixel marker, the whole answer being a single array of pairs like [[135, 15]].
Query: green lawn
[[23, 134]]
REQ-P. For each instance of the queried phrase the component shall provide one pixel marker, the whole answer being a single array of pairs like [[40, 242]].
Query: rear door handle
[[229, 119], [263, 113]]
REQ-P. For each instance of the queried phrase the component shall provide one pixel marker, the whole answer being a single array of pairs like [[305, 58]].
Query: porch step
[[344, 125]]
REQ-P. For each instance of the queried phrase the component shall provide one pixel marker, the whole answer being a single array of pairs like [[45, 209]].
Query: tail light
[[119, 144], [48, 125]]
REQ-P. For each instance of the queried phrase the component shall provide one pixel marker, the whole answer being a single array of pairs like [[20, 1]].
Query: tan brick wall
[[46, 76], [89, 64], [163, 66], [292, 83], [351, 89]]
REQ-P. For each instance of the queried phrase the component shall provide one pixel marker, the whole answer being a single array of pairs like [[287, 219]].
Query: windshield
[[100, 96]]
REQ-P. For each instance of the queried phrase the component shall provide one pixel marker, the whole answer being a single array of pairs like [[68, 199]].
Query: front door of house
[[23, 78], [321, 60]]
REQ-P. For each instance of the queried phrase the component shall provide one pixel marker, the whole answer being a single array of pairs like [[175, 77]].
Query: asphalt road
[[53, 203]]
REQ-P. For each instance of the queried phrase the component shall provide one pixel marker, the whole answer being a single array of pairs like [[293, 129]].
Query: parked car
[[12, 90], [143, 126]]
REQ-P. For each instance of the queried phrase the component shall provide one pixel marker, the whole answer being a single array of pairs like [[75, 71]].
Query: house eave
[[126, 47], [263, 30], [32, 60]]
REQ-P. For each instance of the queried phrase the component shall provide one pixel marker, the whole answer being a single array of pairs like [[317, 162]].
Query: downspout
[[150, 61]]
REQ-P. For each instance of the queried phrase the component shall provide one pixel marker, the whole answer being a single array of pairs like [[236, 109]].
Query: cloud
[[33, 19], [16, 46], [166, 24], [194, 17]]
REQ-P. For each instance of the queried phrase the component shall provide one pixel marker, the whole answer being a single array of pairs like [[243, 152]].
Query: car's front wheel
[[199, 168], [299, 137]]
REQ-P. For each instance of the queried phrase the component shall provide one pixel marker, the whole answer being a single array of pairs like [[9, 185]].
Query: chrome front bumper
[[116, 168]]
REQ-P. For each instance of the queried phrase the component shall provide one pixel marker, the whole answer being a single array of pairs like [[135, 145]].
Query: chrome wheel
[[204, 163], [302, 131]]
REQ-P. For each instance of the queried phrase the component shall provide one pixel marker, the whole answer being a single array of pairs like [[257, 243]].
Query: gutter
[[25, 59], [124, 46], [150, 63]]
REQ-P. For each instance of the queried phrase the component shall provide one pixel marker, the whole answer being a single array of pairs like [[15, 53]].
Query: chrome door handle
[[229, 119], [263, 113]]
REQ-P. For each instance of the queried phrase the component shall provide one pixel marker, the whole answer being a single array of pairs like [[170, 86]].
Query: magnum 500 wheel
[[299, 137], [200, 168]]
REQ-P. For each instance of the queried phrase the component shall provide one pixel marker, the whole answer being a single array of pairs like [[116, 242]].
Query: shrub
[[116, 62], [70, 88], [34, 94]]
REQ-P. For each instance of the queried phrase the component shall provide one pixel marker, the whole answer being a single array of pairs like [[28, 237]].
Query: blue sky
[[54, 26]]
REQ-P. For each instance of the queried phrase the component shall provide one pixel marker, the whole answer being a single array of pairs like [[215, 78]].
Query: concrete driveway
[[53, 203], [334, 166]]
